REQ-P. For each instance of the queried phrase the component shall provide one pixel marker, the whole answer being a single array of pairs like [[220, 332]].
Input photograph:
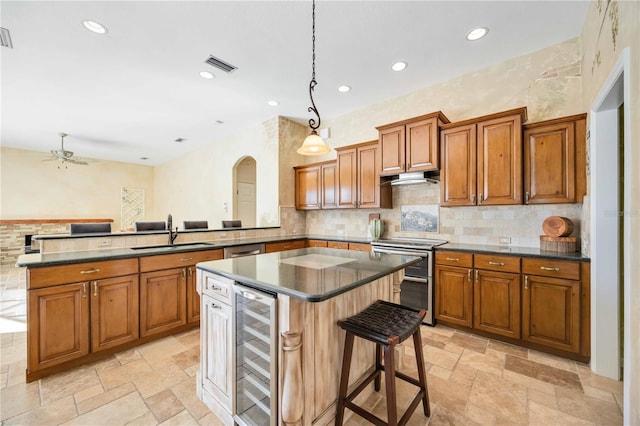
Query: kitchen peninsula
[[270, 344]]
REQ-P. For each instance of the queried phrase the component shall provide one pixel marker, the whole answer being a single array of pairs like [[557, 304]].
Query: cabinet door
[[329, 186], [549, 164], [496, 303], [454, 295], [216, 346], [163, 297], [391, 145], [308, 188], [499, 162], [422, 147], [347, 178], [368, 178], [551, 312], [114, 312], [193, 298], [458, 171], [58, 325]]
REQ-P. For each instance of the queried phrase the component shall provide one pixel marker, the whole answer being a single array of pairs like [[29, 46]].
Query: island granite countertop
[[311, 274]]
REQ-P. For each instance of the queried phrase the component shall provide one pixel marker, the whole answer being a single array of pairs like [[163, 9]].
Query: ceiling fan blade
[[74, 161]]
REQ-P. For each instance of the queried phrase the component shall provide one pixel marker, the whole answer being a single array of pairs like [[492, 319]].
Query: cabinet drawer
[[551, 268], [177, 260], [359, 246], [285, 245], [216, 286], [497, 263], [338, 245], [77, 272], [316, 243], [454, 258]]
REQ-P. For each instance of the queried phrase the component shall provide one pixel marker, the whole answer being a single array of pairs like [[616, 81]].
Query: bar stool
[[386, 324]]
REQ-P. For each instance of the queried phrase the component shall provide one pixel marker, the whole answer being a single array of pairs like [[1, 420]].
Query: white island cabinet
[[296, 337]]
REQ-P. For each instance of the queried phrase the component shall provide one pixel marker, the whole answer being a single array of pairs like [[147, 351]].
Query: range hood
[[416, 177]]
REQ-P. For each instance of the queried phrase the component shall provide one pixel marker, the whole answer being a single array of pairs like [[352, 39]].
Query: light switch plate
[[505, 241]]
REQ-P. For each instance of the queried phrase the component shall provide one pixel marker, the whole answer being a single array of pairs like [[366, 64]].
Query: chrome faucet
[[172, 235]]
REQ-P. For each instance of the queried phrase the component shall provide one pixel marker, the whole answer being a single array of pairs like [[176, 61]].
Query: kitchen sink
[[175, 246]]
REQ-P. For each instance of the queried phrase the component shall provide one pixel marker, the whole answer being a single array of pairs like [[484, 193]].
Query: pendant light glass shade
[[313, 145]]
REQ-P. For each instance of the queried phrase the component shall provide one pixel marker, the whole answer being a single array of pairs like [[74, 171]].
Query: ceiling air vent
[[5, 38], [220, 64]]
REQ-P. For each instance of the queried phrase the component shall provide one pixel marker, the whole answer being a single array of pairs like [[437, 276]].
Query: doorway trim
[[605, 309]]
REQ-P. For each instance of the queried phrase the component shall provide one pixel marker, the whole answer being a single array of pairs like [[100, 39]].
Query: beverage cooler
[[256, 394]]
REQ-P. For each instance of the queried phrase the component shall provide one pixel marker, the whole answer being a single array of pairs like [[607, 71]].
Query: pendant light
[[313, 144]]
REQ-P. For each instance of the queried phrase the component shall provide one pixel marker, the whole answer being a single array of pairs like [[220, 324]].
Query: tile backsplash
[[473, 225]]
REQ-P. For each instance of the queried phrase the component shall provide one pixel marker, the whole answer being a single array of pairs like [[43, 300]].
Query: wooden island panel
[[317, 360]]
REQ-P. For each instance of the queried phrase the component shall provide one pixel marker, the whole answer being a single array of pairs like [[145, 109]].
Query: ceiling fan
[[64, 156]]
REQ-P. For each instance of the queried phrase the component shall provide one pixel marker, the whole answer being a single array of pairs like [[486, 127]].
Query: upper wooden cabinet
[[358, 178], [482, 160], [316, 186], [555, 160], [410, 145]]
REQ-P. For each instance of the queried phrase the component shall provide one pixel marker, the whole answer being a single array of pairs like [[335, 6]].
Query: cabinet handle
[[95, 288], [496, 263], [184, 272], [476, 276], [526, 282], [544, 268], [479, 198], [453, 259], [214, 306], [526, 197], [469, 275], [473, 198], [190, 272], [90, 271], [186, 259], [84, 290], [286, 247]]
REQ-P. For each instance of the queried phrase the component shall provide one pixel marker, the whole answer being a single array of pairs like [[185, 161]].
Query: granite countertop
[[515, 251], [35, 260], [312, 274]]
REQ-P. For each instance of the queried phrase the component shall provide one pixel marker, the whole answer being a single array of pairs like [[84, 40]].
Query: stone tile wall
[[12, 238]]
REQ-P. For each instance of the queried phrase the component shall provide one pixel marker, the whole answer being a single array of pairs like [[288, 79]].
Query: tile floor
[[471, 380]]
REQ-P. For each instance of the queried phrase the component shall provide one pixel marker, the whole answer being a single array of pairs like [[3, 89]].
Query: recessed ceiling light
[[273, 103], [179, 140], [477, 33], [94, 26], [399, 66], [219, 122], [144, 158], [206, 74], [344, 88]]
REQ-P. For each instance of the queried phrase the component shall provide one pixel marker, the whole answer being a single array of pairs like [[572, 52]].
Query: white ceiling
[[130, 93]]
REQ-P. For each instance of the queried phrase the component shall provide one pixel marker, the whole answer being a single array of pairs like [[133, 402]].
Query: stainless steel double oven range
[[416, 290]]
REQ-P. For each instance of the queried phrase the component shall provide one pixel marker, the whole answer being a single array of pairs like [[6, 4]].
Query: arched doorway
[[244, 191]]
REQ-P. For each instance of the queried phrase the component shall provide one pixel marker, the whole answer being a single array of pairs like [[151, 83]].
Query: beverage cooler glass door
[[256, 398]]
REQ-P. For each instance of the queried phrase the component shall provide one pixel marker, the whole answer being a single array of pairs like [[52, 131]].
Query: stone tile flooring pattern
[[471, 380]]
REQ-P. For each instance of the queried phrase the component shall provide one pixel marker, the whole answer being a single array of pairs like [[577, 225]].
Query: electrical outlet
[[505, 241], [104, 243]]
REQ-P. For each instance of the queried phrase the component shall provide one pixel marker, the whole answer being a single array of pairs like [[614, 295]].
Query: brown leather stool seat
[[386, 324]]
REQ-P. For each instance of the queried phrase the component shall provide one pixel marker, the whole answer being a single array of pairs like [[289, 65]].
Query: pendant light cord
[[312, 84]]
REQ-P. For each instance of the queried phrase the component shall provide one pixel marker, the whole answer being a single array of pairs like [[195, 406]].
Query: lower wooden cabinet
[[58, 324], [216, 348], [285, 245], [316, 243], [163, 300], [534, 302], [496, 303], [114, 312]]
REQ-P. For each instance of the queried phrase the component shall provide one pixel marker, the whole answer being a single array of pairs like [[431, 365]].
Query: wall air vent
[[5, 38], [220, 64]]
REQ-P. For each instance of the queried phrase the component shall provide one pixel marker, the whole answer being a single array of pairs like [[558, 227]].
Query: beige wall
[[608, 29], [195, 186], [33, 189]]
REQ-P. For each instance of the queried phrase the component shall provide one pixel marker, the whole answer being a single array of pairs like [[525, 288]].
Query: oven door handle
[[401, 252]]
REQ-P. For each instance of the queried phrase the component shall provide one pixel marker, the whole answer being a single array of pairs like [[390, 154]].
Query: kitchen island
[[270, 343]]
